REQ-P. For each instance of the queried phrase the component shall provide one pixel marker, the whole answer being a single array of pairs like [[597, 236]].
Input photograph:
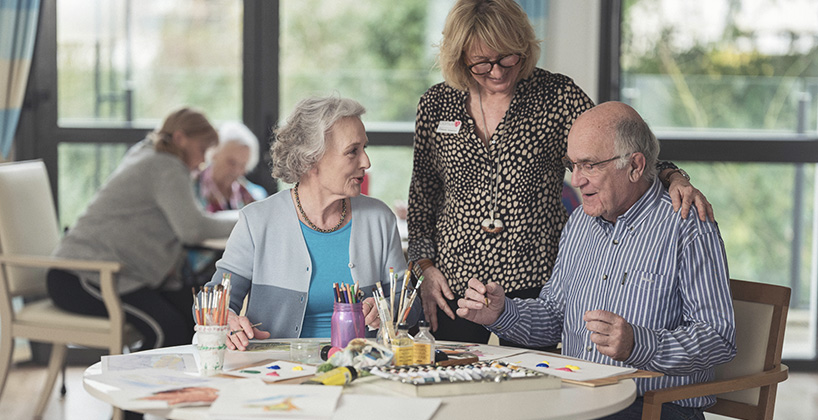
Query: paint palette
[[275, 371]]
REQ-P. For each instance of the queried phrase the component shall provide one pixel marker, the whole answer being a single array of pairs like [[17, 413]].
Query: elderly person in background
[[222, 185], [141, 218], [634, 284], [287, 250], [485, 196]]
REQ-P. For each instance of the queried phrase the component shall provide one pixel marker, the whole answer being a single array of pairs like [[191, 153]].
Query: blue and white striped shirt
[[665, 275]]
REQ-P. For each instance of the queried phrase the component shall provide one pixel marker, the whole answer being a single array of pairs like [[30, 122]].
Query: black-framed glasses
[[589, 168], [485, 67]]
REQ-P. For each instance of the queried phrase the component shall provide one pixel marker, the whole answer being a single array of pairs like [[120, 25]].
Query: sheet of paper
[[559, 366], [254, 398], [183, 362], [349, 408], [129, 388], [278, 370]]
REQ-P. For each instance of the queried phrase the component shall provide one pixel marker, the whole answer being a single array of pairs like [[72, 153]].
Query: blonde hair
[[501, 24], [301, 142], [191, 122]]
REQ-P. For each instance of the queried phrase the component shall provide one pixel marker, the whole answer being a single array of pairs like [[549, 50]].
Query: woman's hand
[[433, 294], [241, 339], [371, 316], [684, 194]]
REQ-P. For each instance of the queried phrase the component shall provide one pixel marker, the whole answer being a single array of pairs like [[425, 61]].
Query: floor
[[797, 397]]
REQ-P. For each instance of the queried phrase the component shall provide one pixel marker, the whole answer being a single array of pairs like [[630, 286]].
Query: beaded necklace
[[307, 219]]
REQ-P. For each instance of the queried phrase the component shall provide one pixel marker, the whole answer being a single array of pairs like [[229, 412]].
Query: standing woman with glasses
[[485, 197]]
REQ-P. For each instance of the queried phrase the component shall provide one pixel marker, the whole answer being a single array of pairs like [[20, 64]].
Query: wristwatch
[[681, 172]]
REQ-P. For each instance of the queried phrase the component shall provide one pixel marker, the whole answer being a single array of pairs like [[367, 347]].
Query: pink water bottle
[[347, 323]]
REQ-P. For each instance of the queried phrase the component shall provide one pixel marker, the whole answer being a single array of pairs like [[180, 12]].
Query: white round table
[[568, 402]]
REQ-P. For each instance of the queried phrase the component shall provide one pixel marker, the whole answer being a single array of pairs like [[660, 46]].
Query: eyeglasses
[[485, 67], [588, 168]]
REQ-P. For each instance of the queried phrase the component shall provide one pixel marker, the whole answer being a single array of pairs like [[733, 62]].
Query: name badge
[[449, 127]]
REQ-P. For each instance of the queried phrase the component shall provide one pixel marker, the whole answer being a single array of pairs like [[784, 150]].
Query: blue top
[[665, 275], [268, 260], [329, 255]]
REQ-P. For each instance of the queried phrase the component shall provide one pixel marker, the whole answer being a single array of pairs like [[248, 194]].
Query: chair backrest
[[28, 222], [761, 318]]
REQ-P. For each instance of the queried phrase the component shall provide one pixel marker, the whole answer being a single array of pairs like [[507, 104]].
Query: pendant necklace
[[307, 219], [491, 224]]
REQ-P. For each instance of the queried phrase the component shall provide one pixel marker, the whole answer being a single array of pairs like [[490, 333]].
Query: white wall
[[571, 43]]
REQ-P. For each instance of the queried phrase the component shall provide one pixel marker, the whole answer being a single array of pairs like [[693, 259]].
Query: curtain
[[18, 28]]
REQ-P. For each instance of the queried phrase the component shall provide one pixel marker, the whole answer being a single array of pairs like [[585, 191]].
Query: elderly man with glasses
[[634, 284]]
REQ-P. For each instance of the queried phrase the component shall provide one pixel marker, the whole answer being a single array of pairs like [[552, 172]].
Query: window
[[123, 63], [386, 61], [107, 72], [731, 88]]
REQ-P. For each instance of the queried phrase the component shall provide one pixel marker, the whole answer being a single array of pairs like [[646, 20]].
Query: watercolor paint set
[[473, 378]]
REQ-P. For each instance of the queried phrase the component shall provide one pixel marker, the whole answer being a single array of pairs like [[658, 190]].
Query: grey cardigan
[[267, 257], [141, 218]]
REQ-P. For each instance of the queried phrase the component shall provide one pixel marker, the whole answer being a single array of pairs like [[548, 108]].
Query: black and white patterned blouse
[[453, 183]]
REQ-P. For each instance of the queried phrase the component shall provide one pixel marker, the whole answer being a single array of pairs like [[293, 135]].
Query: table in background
[[568, 402]]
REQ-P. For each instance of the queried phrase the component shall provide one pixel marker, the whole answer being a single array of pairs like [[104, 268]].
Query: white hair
[[634, 135], [301, 142], [236, 132]]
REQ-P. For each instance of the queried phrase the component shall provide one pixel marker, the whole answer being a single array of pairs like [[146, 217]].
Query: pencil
[[242, 329]]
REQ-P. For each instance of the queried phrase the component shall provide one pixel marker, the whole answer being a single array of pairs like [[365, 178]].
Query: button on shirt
[[665, 275]]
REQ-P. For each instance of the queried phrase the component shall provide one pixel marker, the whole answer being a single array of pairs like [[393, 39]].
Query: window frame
[[752, 148], [39, 135], [768, 148]]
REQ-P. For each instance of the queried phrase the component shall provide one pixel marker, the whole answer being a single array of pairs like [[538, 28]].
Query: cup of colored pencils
[[211, 306]]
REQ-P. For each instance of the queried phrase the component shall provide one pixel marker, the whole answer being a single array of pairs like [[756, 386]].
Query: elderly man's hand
[[483, 303], [611, 333], [684, 194]]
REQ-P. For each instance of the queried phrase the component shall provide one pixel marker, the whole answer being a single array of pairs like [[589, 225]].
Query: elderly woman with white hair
[[286, 251], [222, 185]]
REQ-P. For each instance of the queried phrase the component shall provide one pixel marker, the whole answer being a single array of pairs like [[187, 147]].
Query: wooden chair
[[745, 388], [28, 234]]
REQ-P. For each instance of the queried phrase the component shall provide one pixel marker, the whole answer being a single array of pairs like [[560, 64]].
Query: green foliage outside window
[[683, 81]]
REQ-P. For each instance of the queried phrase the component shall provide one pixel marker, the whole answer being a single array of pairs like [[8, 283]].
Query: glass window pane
[[378, 52], [128, 63], [766, 215], [83, 168], [722, 65]]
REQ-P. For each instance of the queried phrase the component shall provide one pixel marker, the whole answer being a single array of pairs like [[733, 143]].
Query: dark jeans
[[463, 330], [164, 318], [670, 411]]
